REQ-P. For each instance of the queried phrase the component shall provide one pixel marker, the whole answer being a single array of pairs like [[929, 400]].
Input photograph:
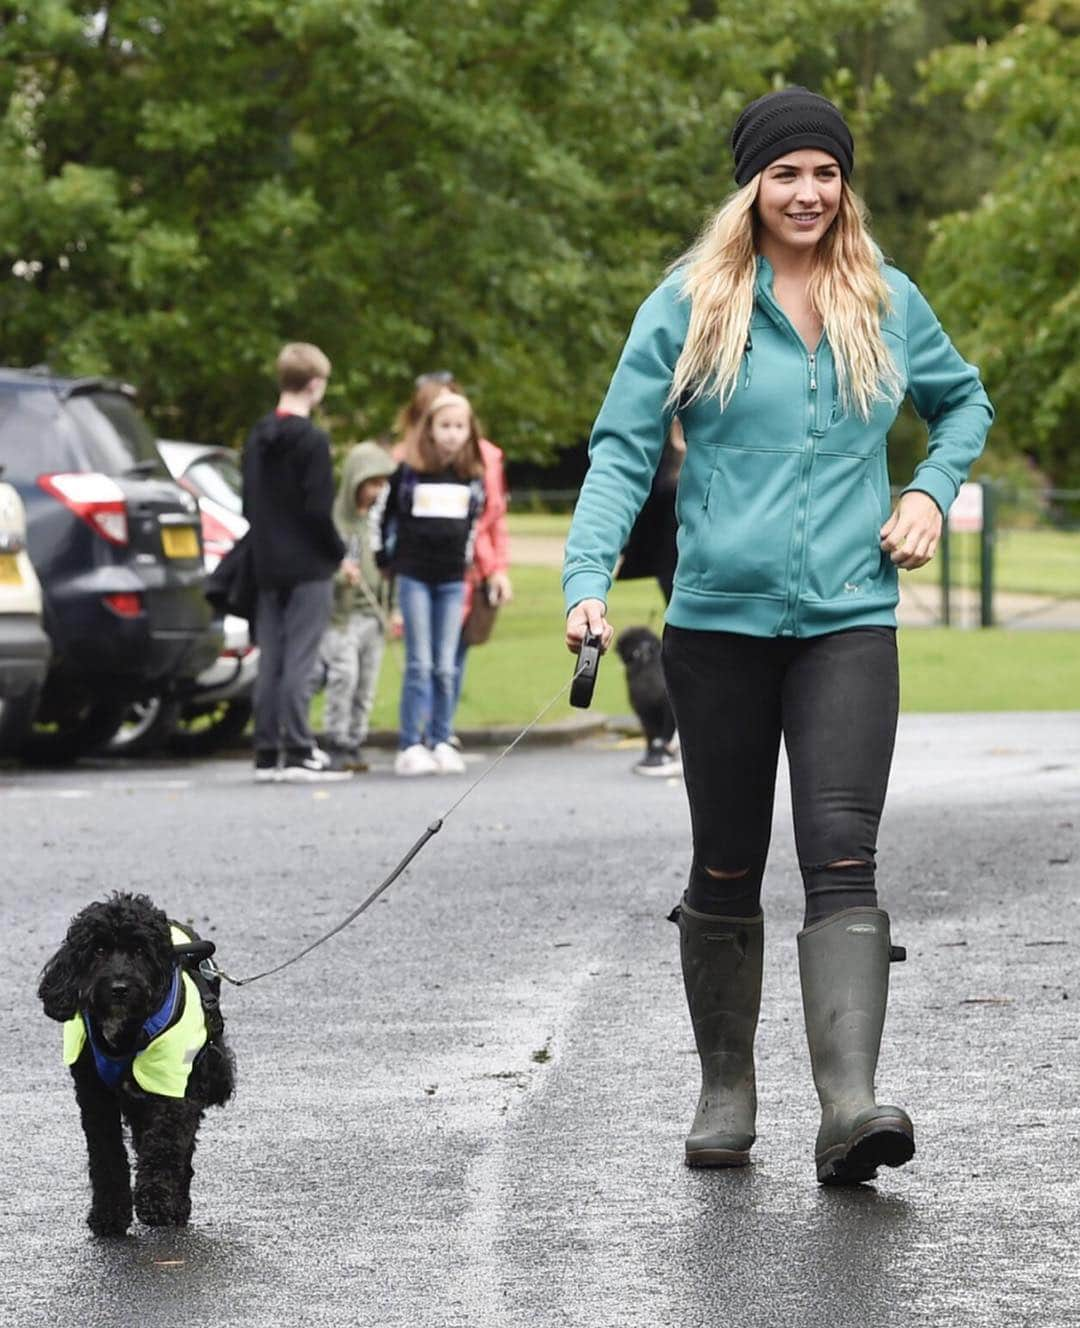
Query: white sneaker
[[415, 760], [448, 760], [323, 758]]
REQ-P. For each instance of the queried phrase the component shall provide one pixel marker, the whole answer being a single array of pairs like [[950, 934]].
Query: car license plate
[[179, 541], [9, 570]]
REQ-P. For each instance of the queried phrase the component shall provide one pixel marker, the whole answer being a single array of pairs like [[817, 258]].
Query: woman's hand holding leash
[[587, 619], [910, 536]]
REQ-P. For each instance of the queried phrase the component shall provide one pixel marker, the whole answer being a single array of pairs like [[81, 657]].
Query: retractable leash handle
[[585, 671]]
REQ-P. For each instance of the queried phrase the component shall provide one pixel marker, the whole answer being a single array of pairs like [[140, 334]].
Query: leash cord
[[432, 830]]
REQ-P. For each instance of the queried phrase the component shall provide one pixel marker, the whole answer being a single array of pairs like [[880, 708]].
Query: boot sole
[[878, 1143], [717, 1157]]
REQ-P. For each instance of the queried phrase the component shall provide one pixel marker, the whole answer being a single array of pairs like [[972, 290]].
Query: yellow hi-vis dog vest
[[164, 1065]]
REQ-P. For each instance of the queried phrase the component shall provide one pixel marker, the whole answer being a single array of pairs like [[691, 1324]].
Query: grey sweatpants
[[352, 654], [289, 627]]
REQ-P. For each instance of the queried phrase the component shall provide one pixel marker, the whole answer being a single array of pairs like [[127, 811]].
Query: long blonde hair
[[846, 288]]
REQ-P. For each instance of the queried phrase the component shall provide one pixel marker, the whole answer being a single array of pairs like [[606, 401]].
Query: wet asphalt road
[[468, 1109]]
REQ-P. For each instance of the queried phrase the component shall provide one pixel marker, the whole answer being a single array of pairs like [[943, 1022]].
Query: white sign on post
[[967, 512]]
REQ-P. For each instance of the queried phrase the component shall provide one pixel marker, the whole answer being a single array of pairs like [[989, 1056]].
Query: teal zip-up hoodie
[[782, 494]]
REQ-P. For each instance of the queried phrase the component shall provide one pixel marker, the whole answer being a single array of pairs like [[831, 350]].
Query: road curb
[[561, 732]]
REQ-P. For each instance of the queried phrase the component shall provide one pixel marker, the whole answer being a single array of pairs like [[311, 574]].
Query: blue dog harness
[[113, 1068]]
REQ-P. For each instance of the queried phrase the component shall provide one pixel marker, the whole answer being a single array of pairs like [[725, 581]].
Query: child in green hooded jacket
[[352, 646]]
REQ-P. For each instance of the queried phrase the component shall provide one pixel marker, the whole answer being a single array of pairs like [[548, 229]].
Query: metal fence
[[1010, 558]]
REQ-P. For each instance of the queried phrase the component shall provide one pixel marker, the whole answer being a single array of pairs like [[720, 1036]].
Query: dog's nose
[[119, 990]]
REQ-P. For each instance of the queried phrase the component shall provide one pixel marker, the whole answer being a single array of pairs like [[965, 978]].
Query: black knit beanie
[[782, 121]]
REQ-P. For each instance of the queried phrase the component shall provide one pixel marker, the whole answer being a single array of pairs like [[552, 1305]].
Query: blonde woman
[[784, 344]]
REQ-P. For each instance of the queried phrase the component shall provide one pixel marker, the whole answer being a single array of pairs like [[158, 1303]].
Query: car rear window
[[218, 478], [42, 433], [115, 438], [35, 435]]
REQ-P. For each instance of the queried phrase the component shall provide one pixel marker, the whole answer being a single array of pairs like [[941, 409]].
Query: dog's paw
[[109, 1219]]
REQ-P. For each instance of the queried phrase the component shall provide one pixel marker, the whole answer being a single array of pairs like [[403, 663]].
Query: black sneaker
[[266, 767], [348, 758], [659, 760], [343, 755], [309, 768]]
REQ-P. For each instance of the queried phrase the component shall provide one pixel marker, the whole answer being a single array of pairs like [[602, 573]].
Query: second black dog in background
[[639, 650]]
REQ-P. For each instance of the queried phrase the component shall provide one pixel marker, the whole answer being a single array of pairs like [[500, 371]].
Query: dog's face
[[116, 963], [637, 643]]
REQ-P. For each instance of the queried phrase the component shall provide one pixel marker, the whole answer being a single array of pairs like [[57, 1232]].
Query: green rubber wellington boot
[[844, 966], [721, 964]]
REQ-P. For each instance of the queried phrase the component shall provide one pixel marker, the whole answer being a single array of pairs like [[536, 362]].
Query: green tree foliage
[[1005, 272], [489, 185]]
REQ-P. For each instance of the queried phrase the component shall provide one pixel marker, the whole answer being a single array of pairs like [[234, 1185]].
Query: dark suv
[[118, 550]]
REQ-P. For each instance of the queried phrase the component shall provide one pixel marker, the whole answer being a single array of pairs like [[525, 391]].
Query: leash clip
[[585, 671], [210, 970]]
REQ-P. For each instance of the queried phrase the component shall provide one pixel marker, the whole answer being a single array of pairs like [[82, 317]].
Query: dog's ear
[[59, 985]]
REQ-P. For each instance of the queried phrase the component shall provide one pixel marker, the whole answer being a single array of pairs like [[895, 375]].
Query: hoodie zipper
[[797, 550]]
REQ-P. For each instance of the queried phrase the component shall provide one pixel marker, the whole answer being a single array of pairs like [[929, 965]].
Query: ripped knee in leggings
[[838, 884], [733, 892]]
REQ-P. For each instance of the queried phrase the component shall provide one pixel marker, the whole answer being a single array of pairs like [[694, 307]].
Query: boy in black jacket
[[288, 498]]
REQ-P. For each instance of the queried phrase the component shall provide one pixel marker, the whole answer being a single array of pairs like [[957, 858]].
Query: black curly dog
[[117, 968], [639, 649]]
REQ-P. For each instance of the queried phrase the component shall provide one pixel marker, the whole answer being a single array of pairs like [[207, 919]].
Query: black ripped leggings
[[835, 700]]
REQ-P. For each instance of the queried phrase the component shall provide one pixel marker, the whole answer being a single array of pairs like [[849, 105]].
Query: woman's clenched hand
[[911, 535]]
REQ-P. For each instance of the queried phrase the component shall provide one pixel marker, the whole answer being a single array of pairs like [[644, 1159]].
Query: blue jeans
[[432, 617]]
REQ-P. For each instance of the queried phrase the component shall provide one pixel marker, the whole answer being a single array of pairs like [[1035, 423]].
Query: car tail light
[[97, 499], [217, 538], [125, 604]]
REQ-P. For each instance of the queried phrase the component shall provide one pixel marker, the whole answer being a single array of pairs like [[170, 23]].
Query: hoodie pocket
[[844, 557], [736, 516]]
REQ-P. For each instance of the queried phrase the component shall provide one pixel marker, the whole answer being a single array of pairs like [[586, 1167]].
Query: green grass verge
[[525, 663], [949, 669], [539, 523]]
